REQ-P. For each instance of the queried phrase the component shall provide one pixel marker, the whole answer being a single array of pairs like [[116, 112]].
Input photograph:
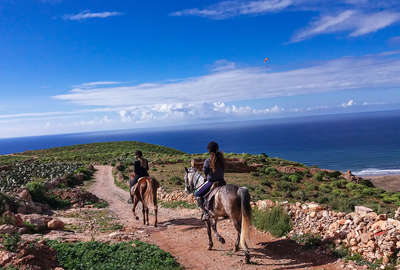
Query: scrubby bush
[[39, 194], [299, 195], [274, 220], [285, 186], [318, 176], [10, 241], [341, 183], [294, 178], [175, 180], [325, 188], [334, 174], [106, 256], [307, 240], [266, 182], [343, 204]]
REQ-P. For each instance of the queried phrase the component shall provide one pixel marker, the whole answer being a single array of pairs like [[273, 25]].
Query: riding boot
[[200, 201]]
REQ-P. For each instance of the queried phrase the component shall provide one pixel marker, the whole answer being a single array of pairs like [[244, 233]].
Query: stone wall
[[174, 196], [375, 237]]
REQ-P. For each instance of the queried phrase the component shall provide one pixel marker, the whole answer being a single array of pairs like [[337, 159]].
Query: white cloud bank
[[359, 17], [226, 9], [373, 71], [90, 15], [356, 22]]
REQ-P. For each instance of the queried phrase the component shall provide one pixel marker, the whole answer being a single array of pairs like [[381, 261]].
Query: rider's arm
[[206, 167]]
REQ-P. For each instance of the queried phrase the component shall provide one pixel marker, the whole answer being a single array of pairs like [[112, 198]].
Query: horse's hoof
[[137, 218], [247, 258], [235, 249], [210, 247], [222, 240], [155, 225]]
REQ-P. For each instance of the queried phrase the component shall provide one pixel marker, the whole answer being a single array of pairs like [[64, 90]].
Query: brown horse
[[145, 191], [229, 201]]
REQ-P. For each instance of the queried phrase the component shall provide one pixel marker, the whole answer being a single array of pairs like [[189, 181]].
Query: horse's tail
[[152, 192], [244, 195]]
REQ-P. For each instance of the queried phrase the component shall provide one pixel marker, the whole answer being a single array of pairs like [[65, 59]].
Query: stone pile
[[351, 177], [375, 237], [176, 195], [22, 223], [34, 255]]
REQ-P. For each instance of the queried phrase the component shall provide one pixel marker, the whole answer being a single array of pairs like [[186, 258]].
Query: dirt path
[[181, 233]]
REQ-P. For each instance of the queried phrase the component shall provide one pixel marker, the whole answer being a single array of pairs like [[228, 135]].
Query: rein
[[197, 180]]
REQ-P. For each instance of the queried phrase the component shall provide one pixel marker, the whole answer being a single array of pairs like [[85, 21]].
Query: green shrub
[[325, 188], [334, 174], [341, 183], [175, 180], [285, 186], [10, 241], [105, 256], [266, 182], [178, 204], [274, 220], [366, 182], [318, 176], [389, 199], [351, 186], [38, 192], [86, 173], [307, 240], [294, 178], [299, 195], [336, 192], [342, 204]]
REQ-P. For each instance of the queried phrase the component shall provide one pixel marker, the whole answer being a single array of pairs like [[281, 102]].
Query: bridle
[[193, 180]]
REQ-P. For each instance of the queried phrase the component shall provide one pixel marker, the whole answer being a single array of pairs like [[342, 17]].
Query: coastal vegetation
[[268, 181]]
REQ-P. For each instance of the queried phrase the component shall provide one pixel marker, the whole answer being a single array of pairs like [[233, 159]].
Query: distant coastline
[[367, 144]]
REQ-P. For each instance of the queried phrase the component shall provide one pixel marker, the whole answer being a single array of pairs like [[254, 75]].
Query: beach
[[386, 182]]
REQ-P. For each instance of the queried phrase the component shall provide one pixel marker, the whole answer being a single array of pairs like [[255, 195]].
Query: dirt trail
[[181, 233]]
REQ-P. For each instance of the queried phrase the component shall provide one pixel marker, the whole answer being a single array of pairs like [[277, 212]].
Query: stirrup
[[205, 216]]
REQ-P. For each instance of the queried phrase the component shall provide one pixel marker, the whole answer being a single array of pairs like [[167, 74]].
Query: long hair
[[143, 161], [216, 158], [217, 161]]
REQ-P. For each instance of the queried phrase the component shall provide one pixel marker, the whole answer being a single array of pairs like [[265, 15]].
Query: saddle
[[210, 195]]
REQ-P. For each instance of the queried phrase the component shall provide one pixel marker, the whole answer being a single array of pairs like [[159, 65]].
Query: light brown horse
[[229, 201], [145, 191]]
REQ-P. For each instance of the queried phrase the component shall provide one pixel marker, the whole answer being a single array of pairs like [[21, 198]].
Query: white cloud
[[226, 9], [95, 84], [358, 17], [184, 112], [357, 22], [348, 103], [89, 15], [373, 71], [223, 65]]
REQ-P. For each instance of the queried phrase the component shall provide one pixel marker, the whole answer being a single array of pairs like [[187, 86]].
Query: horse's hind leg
[[217, 235], [134, 204], [147, 216], [155, 214], [144, 214], [210, 242], [236, 224]]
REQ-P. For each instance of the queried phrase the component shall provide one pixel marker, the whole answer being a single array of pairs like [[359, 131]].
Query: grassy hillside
[[99, 153], [268, 182]]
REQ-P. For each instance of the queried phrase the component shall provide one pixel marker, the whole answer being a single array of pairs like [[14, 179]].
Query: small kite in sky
[[266, 59]]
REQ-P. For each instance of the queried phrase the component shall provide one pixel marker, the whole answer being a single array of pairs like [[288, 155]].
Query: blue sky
[[73, 66]]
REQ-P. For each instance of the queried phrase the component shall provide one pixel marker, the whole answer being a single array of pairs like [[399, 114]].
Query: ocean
[[365, 143]]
